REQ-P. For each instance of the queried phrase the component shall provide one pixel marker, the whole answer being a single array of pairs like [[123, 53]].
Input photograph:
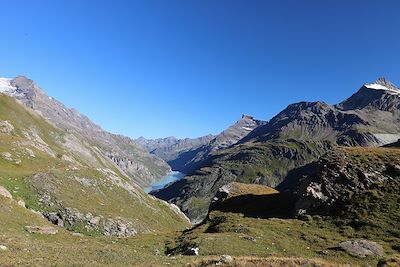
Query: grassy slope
[[233, 234], [64, 249], [102, 197], [371, 214]]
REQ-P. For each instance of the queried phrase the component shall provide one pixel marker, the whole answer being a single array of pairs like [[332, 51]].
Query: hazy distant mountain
[[177, 152], [296, 136], [130, 158], [225, 139], [186, 155]]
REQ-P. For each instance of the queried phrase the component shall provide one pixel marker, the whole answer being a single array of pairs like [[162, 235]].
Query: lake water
[[171, 177]]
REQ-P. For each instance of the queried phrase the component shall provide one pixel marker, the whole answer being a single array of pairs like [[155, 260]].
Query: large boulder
[[252, 200], [362, 248], [235, 189]]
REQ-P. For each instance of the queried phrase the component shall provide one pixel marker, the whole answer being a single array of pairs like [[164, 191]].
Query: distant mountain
[[130, 158], [295, 137], [177, 152], [186, 155]]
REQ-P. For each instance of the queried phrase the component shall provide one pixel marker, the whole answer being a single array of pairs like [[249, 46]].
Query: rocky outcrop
[[336, 178], [44, 230], [72, 218], [252, 200], [236, 189], [362, 248]]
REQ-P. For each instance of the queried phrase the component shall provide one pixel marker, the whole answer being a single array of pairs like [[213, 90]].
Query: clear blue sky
[[188, 68]]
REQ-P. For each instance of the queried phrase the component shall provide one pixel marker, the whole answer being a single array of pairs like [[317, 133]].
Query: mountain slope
[[296, 136], [130, 158], [70, 181]]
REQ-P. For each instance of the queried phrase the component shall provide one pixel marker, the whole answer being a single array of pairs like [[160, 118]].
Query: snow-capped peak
[[376, 86], [5, 85]]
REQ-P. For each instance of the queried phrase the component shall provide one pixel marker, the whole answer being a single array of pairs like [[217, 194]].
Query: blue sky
[[189, 68]]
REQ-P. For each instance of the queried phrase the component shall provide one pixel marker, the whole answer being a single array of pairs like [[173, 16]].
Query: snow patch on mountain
[[376, 86], [247, 128], [5, 85]]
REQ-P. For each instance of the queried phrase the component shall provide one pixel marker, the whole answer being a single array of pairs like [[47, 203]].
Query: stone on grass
[[45, 230], [21, 203], [362, 248], [77, 234], [2, 247], [4, 192], [226, 259]]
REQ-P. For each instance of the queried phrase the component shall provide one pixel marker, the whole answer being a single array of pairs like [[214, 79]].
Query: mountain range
[[317, 185], [186, 155], [296, 136]]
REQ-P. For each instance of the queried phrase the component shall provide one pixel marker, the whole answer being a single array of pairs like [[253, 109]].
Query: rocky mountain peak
[[381, 94], [247, 117], [22, 81], [384, 82], [382, 85]]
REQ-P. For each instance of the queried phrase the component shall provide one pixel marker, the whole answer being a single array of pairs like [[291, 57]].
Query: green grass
[[103, 197], [232, 234]]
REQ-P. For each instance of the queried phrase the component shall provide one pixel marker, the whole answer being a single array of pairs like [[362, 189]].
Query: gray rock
[[21, 203], [44, 230], [77, 234], [4, 192], [226, 259], [95, 221], [362, 248], [118, 227], [6, 127], [53, 218], [6, 156]]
